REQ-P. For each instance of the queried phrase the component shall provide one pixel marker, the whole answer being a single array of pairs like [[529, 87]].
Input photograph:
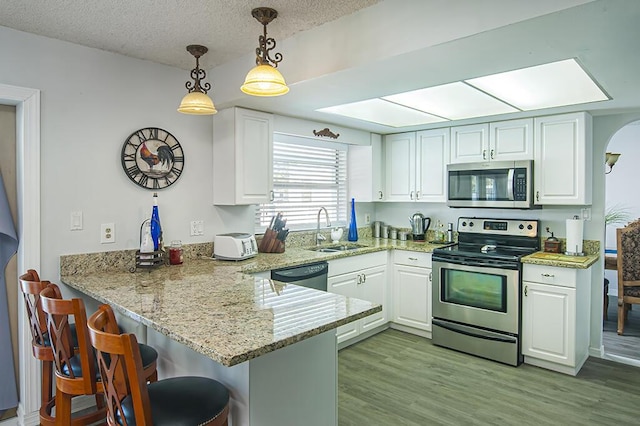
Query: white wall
[[91, 101]]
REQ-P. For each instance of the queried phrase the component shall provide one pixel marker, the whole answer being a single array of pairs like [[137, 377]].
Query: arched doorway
[[620, 202]]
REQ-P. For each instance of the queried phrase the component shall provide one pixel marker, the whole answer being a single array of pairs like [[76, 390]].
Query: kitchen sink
[[335, 248]]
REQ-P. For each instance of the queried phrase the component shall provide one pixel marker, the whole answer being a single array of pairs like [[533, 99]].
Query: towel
[[8, 247]]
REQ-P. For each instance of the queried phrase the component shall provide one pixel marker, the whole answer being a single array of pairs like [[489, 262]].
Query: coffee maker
[[419, 226]]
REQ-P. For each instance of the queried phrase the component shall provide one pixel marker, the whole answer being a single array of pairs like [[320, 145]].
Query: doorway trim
[[27, 103]]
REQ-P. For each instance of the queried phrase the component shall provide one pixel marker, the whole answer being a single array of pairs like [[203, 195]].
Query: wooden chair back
[[628, 242], [59, 311], [120, 367], [31, 286]]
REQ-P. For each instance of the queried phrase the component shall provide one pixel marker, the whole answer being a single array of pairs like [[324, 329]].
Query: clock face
[[152, 158]]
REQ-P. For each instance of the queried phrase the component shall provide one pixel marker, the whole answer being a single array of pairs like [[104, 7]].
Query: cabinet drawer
[[412, 258], [565, 277], [349, 264]]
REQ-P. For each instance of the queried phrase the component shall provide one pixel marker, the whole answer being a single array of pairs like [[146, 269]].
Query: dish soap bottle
[[156, 228], [353, 228]]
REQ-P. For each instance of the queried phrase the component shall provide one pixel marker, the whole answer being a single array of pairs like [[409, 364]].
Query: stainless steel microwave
[[496, 184]]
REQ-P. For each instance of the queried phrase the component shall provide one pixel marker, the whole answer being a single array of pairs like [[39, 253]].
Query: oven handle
[[487, 335], [510, 176], [494, 263]]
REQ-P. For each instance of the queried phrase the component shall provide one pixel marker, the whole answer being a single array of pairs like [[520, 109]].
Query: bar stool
[[75, 368], [178, 400]]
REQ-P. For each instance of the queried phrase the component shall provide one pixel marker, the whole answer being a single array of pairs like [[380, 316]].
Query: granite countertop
[[219, 311], [561, 260]]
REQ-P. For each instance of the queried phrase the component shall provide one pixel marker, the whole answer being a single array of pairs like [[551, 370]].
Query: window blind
[[307, 175]]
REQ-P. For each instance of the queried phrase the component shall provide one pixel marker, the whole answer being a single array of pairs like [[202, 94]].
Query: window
[[307, 175]]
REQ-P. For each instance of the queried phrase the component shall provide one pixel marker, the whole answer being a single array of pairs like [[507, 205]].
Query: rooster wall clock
[[152, 158]]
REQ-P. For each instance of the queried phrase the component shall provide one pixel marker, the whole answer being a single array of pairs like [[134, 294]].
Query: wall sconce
[[265, 79], [610, 159], [196, 101]]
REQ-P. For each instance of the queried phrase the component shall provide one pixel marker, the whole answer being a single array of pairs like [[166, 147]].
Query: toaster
[[234, 246]]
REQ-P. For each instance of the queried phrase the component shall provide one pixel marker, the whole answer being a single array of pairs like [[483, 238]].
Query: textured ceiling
[[160, 30]]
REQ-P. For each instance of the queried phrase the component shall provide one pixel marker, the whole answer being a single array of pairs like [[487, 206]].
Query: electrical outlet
[[76, 221], [107, 233], [197, 228], [367, 219], [586, 213]]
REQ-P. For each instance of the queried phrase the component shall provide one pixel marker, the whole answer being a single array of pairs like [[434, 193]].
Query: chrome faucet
[[319, 237]]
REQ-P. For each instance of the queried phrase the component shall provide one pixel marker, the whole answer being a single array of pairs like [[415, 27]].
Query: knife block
[[270, 244]]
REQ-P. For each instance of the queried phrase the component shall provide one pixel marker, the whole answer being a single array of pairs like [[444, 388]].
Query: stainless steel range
[[477, 286]]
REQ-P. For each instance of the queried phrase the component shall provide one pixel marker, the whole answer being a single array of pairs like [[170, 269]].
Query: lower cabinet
[[412, 289], [362, 277], [555, 317]]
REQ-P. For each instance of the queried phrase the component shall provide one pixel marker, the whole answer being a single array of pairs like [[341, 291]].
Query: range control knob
[[464, 224], [529, 227], [521, 226], [470, 223]]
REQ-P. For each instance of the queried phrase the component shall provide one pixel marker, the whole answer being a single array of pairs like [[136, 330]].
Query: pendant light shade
[[197, 102], [265, 79]]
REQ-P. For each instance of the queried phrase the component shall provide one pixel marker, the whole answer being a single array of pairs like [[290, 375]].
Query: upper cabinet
[[242, 157], [500, 141], [415, 166], [366, 173], [563, 156]]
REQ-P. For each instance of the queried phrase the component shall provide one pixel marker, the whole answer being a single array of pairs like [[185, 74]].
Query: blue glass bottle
[[353, 228], [156, 228]]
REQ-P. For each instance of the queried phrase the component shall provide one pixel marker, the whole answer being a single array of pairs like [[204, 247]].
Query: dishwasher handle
[[302, 272]]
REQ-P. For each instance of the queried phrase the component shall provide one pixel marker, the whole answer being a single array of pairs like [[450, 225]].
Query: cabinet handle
[[413, 258], [526, 287], [430, 276], [364, 278], [484, 154], [379, 195], [492, 154], [411, 195], [271, 195], [359, 279], [417, 195], [548, 275], [537, 195]]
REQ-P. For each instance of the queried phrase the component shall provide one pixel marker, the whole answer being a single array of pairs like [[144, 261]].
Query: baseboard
[[411, 330], [621, 359]]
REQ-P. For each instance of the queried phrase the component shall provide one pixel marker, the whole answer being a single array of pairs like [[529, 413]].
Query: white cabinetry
[[361, 277], [415, 166], [563, 156], [242, 157], [365, 170], [500, 141], [412, 289], [555, 317]]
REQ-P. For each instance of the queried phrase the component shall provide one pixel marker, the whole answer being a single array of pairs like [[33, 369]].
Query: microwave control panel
[[520, 185]]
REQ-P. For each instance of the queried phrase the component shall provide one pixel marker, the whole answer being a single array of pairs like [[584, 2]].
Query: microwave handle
[[510, 177]]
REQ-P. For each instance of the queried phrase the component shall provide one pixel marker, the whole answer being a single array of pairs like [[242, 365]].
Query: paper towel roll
[[574, 236]]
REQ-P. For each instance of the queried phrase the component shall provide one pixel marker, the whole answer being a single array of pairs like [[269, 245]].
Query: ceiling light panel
[[454, 101], [382, 112], [543, 86]]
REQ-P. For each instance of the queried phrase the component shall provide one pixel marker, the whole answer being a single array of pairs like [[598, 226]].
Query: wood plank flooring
[[395, 378], [627, 345]]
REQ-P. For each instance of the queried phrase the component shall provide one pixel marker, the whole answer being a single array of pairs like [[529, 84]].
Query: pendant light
[[197, 101], [265, 79]]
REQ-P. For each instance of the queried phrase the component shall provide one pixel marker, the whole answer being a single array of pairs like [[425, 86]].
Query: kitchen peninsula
[[273, 345]]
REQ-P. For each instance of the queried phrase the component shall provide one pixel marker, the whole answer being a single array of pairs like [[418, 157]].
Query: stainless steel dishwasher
[[311, 275]]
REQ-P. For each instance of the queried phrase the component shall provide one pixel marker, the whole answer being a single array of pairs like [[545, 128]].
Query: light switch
[[76, 221]]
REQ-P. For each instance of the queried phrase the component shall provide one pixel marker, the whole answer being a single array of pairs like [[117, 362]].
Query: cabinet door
[[548, 322], [254, 160], [366, 171], [373, 288], [563, 153], [432, 153], [470, 143], [412, 296], [345, 285], [511, 140], [400, 166]]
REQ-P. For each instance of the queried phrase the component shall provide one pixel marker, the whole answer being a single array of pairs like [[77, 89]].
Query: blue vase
[[353, 228], [156, 228]]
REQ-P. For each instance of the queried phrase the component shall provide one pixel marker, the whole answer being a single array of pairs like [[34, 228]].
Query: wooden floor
[[395, 378], [627, 345]]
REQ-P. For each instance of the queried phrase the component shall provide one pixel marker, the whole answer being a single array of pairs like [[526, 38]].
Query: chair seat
[[632, 291], [147, 354], [182, 401]]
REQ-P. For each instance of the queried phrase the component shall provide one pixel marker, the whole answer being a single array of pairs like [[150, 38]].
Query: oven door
[[468, 291]]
